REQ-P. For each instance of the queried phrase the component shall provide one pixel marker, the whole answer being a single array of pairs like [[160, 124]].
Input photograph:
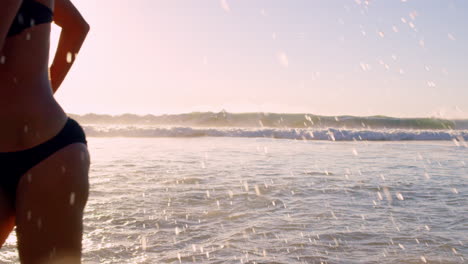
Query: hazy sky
[[333, 57]]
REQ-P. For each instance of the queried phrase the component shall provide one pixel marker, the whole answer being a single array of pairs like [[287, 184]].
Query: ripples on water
[[234, 200]]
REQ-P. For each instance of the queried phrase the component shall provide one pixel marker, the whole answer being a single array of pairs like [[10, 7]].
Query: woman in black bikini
[[44, 160]]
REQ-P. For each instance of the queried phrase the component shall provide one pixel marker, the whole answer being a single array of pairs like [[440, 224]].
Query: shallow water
[[248, 200]]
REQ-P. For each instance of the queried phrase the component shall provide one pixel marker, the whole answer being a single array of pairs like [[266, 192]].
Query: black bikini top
[[30, 13]]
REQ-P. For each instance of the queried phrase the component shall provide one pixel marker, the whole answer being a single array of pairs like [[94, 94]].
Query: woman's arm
[[74, 31], [8, 10]]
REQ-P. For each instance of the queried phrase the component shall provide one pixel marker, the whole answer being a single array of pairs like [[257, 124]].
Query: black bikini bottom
[[13, 165]]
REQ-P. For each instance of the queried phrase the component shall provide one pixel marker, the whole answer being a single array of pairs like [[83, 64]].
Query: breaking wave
[[330, 134], [274, 120]]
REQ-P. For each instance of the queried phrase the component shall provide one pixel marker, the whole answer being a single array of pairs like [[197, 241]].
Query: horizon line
[[267, 113]]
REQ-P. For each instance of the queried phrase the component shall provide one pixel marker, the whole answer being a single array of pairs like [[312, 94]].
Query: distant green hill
[[277, 120]]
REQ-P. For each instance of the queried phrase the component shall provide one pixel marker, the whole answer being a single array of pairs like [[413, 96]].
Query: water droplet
[[387, 194], [257, 190], [422, 43], [225, 5], [143, 243], [69, 57], [427, 175], [365, 66], [399, 196], [283, 59], [246, 186], [72, 198]]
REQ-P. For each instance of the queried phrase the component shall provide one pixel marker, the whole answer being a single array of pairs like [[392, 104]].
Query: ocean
[[256, 199]]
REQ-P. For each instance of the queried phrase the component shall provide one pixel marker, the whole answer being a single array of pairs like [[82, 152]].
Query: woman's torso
[[29, 114]]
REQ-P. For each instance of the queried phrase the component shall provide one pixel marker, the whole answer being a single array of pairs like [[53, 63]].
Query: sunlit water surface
[[246, 200]]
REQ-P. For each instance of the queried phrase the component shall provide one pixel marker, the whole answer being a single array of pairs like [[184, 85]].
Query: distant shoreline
[[273, 120]]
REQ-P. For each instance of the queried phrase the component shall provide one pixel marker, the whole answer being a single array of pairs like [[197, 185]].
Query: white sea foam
[[279, 133]]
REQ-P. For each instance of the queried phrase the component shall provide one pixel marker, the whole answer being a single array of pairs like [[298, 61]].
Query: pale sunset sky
[[404, 58]]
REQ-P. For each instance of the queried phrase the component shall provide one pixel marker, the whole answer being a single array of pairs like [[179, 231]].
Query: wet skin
[[49, 227]]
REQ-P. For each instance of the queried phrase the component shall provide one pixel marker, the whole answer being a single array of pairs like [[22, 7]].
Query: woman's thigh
[[49, 207]]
